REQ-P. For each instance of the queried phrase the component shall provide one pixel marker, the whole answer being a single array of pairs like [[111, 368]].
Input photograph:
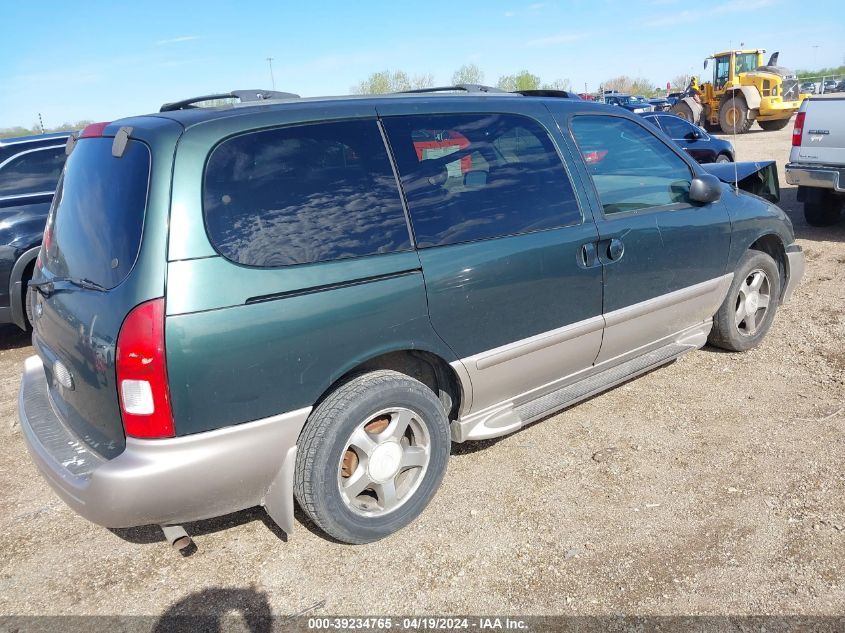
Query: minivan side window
[[470, 177], [301, 194], [33, 171], [631, 168]]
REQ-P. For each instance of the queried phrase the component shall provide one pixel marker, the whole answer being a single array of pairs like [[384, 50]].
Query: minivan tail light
[[798, 129], [94, 129], [142, 373]]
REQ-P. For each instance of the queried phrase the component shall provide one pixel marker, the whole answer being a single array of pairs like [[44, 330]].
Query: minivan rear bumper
[[166, 481]]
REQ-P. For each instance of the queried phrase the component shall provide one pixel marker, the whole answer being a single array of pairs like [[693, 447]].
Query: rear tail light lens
[[142, 373], [46, 242], [798, 130]]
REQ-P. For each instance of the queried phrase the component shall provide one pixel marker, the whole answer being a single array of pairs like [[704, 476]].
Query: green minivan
[[311, 299]]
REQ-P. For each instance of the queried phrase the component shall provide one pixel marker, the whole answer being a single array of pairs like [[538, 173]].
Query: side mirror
[[706, 62], [693, 135], [705, 189]]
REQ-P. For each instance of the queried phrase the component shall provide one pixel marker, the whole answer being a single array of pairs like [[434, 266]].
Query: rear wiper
[[87, 284], [48, 286]]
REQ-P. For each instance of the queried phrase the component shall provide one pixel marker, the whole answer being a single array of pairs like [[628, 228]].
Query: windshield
[[94, 229]]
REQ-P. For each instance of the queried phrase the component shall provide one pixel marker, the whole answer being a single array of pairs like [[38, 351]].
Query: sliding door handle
[[615, 249]]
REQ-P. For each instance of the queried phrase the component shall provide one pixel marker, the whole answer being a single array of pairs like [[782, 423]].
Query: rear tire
[[29, 304], [772, 126], [371, 456], [824, 211], [733, 116], [749, 309]]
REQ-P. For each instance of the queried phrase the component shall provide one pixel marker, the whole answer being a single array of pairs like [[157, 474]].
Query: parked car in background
[[633, 104], [660, 104], [673, 97], [307, 298], [840, 87], [829, 85], [29, 170], [817, 159], [695, 141], [809, 87]]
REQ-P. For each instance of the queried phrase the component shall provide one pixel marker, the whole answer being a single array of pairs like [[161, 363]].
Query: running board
[[510, 418]]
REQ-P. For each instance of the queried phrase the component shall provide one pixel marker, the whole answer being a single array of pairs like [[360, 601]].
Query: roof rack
[[542, 92], [464, 87], [242, 95]]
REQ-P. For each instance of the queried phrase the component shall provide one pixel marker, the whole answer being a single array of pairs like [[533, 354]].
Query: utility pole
[[272, 79], [41, 123]]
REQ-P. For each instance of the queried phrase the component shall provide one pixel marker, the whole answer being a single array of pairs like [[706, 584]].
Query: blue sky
[[104, 60]]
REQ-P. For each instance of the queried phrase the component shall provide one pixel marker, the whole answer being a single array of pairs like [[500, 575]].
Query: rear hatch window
[[92, 240], [94, 230]]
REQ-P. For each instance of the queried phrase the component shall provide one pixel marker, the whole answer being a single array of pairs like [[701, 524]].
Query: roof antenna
[[736, 170], [272, 78]]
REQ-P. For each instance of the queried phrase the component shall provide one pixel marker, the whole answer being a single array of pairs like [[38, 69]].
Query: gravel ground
[[713, 485]]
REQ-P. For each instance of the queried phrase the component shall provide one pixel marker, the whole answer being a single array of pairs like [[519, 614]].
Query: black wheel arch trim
[[18, 314]]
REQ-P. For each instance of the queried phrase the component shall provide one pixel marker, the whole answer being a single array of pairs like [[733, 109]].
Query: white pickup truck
[[817, 160]]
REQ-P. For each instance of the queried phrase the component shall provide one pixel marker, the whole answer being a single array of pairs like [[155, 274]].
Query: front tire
[[749, 309], [723, 158], [372, 456], [733, 116]]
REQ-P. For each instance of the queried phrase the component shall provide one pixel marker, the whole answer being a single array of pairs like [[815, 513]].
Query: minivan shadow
[[12, 337], [147, 534]]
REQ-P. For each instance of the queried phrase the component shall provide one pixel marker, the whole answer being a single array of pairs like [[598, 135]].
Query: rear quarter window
[[303, 194]]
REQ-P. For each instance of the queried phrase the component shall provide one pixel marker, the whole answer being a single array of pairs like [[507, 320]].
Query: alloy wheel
[[384, 462], [752, 302]]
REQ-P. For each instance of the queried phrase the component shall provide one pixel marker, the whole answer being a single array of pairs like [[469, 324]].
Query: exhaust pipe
[[177, 537]]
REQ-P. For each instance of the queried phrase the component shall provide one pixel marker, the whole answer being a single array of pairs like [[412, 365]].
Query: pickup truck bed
[[817, 160]]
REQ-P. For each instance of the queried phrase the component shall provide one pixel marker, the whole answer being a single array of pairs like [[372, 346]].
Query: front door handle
[[615, 249]]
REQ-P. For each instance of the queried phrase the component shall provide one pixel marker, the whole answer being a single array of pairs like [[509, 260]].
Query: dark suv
[[694, 140], [313, 298], [29, 170]]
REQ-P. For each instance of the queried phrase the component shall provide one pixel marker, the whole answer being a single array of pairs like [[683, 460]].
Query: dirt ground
[[714, 485]]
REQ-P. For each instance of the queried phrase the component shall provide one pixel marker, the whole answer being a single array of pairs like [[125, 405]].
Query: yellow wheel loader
[[743, 90]]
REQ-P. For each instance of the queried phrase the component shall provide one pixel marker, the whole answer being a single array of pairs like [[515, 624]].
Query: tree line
[[19, 130], [838, 71], [397, 81], [386, 81]]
